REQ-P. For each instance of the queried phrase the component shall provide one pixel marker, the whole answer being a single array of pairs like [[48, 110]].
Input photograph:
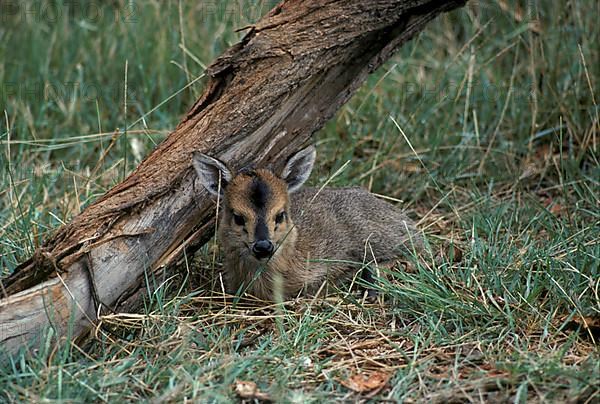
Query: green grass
[[498, 104]]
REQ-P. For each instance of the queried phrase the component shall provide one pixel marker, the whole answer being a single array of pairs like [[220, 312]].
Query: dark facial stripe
[[259, 194], [262, 231]]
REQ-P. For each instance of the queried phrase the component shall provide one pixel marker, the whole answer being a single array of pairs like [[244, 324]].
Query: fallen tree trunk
[[265, 98]]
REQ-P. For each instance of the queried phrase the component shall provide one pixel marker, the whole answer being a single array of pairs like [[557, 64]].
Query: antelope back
[[351, 224]]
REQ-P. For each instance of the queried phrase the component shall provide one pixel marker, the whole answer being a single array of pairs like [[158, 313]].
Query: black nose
[[262, 249]]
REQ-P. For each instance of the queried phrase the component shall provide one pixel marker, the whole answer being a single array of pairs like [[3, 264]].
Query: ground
[[485, 128]]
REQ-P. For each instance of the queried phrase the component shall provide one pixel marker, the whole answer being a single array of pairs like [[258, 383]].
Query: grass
[[485, 126]]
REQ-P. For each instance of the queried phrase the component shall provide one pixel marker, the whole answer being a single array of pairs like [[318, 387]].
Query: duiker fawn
[[279, 239]]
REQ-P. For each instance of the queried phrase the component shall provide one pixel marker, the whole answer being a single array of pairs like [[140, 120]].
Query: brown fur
[[327, 237]]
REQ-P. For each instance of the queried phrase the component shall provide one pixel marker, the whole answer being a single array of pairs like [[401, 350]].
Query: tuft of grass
[[485, 126]]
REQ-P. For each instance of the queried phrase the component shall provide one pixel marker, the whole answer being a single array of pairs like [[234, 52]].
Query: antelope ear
[[209, 171], [298, 168]]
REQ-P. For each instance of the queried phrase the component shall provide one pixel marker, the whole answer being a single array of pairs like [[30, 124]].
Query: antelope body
[[280, 240]]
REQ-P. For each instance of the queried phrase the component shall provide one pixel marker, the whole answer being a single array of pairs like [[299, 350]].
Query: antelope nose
[[262, 249]]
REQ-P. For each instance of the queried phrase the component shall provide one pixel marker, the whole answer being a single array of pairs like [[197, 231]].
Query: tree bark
[[265, 97]]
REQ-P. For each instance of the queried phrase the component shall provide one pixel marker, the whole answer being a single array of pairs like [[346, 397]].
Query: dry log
[[265, 97]]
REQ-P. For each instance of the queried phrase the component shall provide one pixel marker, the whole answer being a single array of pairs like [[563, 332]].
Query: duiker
[[280, 240]]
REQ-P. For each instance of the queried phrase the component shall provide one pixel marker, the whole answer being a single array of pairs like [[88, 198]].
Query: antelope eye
[[239, 219], [280, 217]]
